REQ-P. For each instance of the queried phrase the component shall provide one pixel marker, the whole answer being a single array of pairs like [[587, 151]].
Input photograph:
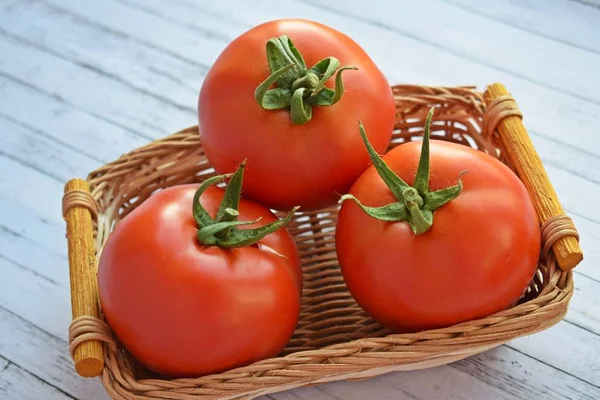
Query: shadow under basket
[[334, 339]]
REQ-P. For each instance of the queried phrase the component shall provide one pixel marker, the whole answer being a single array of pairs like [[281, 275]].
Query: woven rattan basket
[[334, 339]]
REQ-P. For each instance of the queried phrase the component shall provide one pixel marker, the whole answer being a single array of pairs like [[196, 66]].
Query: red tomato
[[184, 309], [292, 164], [477, 258]]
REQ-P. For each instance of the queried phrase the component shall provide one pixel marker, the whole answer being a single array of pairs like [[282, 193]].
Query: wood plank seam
[[58, 98], [513, 25], [450, 51], [115, 32], [205, 33], [13, 364]]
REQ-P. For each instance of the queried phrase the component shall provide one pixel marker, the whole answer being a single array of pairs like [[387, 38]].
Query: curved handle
[[503, 115], [78, 208]]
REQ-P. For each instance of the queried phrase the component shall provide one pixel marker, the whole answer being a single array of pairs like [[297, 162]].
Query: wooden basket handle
[[78, 209], [558, 232]]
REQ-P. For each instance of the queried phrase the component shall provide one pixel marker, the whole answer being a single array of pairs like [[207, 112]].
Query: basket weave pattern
[[334, 339]]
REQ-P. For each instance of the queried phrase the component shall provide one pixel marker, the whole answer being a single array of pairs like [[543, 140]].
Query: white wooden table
[[82, 82]]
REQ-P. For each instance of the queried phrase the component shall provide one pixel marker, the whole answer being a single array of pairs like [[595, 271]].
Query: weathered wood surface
[[83, 82]]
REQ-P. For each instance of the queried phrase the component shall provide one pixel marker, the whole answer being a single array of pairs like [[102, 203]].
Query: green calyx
[[223, 230], [299, 88], [417, 203]]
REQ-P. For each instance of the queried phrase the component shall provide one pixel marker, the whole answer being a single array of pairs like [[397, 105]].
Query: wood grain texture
[[133, 64], [550, 19], [468, 36], [524, 158], [116, 102], [89, 355], [18, 384], [44, 355], [84, 84], [32, 148], [68, 125]]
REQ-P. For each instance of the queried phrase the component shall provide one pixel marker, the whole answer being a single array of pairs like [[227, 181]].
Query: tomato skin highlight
[[478, 257], [186, 310], [288, 165]]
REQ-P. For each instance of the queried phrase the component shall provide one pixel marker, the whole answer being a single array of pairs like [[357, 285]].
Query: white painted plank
[[525, 377], [21, 292], [42, 153], [405, 60], [91, 90], [445, 382], [17, 384], [546, 62], [575, 193], [508, 374], [166, 77], [590, 237], [44, 356], [565, 346], [565, 21], [117, 16], [54, 118], [213, 25], [562, 156], [28, 253], [30, 195], [585, 303]]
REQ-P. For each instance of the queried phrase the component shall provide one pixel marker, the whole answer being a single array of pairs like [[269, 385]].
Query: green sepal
[[393, 181], [417, 204], [300, 110], [277, 96], [298, 88], [282, 52], [392, 212], [434, 200], [209, 233], [231, 199], [420, 220], [422, 177], [223, 230], [200, 214], [276, 99], [323, 98], [339, 84], [247, 237], [325, 70]]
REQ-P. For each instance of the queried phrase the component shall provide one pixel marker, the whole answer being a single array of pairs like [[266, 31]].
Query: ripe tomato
[[308, 162], [185, 309], [475, 256]]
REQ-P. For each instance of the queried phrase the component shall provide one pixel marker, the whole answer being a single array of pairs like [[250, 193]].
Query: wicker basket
[[334, 339]]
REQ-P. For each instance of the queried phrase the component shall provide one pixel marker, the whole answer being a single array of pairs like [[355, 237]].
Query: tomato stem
[[223, 230], [415, 204], [298, 88]]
